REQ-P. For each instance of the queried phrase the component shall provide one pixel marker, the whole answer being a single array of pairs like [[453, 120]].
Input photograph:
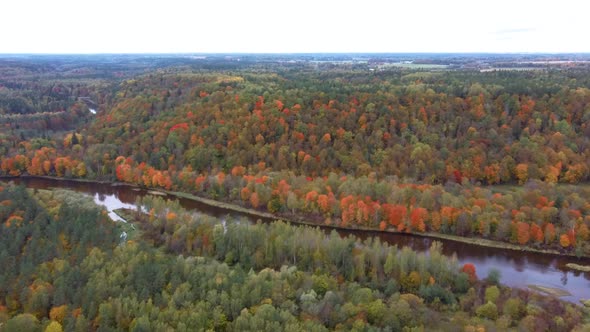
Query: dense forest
[[499, 155], [67, 269]]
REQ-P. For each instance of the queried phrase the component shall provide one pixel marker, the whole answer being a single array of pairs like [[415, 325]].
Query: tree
[[274, 204], [411, 282], [15, 166], [583, 232], [522, 173], [575, 173], [41, 162], [536, 233], [435, 221], [513, 307], [549, 233], [310, 200], [494, 276], [553, 172], [564, 240], [469, 269], [54, 327], [141, 324], [395, 214], [254, 200], [58, 313], [376, 311], [523, 233], [488, 310], [348, 208], [417, 217], [22, 323], [199, 183], [324, 204], [238, 171], [80, 170], [245, 194], [292, 202], [492, 293]]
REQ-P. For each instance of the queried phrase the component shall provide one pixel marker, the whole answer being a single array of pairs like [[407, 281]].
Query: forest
[[499, 155], [66, 269]]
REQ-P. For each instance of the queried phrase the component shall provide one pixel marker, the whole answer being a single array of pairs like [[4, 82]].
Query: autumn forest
[[458, 153]]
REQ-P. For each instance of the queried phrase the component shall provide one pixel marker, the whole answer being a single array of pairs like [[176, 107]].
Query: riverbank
[[578, 267], [57, 178], [455, 238], [557, 292], [517, 268], [299, 220]]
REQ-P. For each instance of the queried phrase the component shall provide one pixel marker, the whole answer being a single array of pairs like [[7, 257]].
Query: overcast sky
[[171, 26]]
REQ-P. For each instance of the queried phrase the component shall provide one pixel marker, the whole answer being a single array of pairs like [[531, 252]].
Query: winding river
[[517, 268]]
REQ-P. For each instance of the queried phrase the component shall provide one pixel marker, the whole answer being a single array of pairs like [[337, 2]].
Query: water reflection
[[111, 203], [517, 269]]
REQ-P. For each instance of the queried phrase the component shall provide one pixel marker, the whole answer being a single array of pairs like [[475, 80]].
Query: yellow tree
[[522, 173]]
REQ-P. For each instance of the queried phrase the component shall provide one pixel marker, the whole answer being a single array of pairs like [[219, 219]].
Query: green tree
[[492, 294], [22, 323], [488, 310]]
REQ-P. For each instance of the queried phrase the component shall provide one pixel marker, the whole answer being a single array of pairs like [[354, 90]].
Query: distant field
[[511, 69], [415, 65]]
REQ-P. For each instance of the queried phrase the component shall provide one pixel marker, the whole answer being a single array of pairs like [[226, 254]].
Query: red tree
[[417, 217], [523, 234], [469, 269]]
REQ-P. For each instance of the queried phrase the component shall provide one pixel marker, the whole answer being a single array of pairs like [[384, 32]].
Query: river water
[[518, 269]]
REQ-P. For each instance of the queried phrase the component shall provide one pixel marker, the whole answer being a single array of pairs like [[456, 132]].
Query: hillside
[[501, 155]]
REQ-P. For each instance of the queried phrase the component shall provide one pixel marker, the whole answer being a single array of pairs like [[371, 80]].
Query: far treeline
[[500, 155]]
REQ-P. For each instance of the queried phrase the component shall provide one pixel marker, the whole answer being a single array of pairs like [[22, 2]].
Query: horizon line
[[287, 53]]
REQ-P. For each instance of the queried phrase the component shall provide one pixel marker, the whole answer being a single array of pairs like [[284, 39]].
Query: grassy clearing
[[129, 227]]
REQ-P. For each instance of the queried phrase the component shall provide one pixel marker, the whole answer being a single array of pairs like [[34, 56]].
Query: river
[[517, 268]]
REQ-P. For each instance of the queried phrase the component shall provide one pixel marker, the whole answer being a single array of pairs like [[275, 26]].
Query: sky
[[293, 26]]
